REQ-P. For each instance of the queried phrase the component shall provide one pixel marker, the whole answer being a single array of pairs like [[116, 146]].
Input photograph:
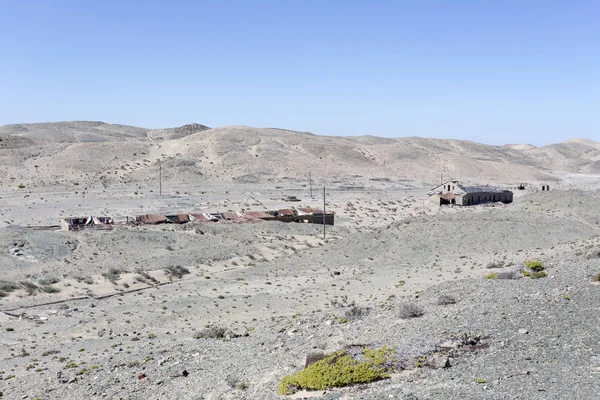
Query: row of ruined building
[[301, 215]]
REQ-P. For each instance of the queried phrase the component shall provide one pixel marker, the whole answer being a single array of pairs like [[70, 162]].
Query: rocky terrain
[[225, 311]]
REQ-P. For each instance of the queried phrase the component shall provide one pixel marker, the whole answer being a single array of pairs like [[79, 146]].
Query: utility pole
[[160, 178], [310, 183], [324, 213]]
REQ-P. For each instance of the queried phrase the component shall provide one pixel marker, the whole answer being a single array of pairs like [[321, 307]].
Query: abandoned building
[[545, 188], [77, 223], [452, 192], [301, 214]]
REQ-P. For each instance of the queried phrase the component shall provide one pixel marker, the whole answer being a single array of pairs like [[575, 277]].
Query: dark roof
[[478, 189], [258, 214]]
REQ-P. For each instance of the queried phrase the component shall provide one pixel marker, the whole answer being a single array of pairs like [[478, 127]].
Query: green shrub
[[535, 266], [493, 275], [339, 369], [537, 275], [534, 269]]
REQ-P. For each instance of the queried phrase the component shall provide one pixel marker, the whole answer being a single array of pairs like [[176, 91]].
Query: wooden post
[[324, 213]]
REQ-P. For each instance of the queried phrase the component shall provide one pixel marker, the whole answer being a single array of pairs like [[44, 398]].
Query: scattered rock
[[313, 358]]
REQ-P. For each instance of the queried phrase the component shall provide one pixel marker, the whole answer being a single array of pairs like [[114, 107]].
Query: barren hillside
[[96, 153]]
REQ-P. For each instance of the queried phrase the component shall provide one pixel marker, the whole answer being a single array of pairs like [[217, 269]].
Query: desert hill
[[95, 152]]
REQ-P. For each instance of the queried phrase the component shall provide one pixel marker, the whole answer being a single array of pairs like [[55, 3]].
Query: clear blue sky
[[491, 71]]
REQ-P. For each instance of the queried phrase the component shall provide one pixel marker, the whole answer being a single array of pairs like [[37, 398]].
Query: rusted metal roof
[[179, 218], [310, 210], [258, 214], [152, 219], [233, 216], [285, 212], [199, 217]]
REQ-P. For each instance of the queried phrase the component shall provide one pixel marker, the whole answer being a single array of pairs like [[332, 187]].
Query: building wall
[[471, 199], [446, 187]]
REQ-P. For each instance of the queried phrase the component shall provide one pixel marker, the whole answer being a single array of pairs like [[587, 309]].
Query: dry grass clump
[[113, 274], [356, 312], [495, 264], [512, 274], [30, 287], [596, 277], [48, 280], [213, 332], [177, 271], [7, 287], [85, 279], [445, 300], [49, 289], [410, 310], [144, 276]]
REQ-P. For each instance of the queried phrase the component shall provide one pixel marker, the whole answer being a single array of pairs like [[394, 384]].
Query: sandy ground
[[123, 313], [388, 243]]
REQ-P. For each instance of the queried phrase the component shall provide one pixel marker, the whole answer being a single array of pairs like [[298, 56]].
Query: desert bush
[[493, 275], [177, 271], [339, 369], [214, 332], [534, 269], [535, 266], [49, 289], [85, 279], [48, 280], [30, 287], [596, 277], [236, 383], [342, 302], [445, 300], [512, 274], [356, 312], [144, 276], [7, 287], [537, 275], [495, 264], [410, 310], [113, 274]]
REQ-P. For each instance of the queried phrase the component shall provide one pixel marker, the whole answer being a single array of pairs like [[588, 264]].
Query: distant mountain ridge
[[89, 151]]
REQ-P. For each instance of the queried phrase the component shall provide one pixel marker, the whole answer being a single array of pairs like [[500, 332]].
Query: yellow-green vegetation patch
[[340, 369], [535, 266], [493, 275], [534, 269]]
